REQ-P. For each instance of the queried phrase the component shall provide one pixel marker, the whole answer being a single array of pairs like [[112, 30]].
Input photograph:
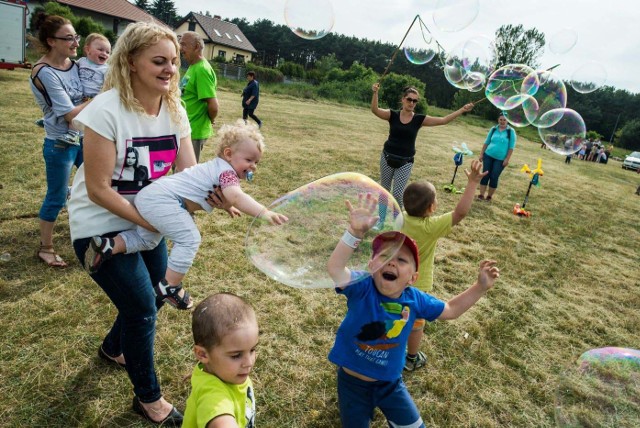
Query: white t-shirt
[[146, 147], [196, 182]]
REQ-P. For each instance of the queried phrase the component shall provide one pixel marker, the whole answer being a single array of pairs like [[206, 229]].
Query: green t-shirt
[[198, 83], [426, 231], [211, 397]]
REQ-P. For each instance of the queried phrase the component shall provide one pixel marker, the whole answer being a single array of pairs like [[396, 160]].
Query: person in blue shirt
[[370, 344], [496, 152], [250, 98]]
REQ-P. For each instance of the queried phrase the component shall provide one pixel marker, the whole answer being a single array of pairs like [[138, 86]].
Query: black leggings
[[248, 112]]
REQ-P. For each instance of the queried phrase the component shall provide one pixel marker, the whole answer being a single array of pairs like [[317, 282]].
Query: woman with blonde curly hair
[[167, 204], [139, 108]]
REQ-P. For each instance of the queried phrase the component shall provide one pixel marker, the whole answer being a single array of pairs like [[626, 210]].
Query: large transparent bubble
[[508, 86], [469, 63], [589, 77], [516, 116], [551, 94], [309, 19], [297, 252], [602, 391], [567, 134], [455, 15], [419, 46], [563, 41]]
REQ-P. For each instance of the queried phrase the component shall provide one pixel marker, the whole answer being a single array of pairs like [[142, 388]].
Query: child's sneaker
[[40, 122], [72, 137], [100, 249], [411, 364]]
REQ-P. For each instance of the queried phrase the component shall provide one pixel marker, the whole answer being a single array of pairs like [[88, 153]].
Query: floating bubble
[[567, 134], [468, 64], [419, 46], [516, 116], [589, 77], [309, 19], [505, 88], [563, 41], [550, 94], [603, 391], [296, 253], [455, 15]]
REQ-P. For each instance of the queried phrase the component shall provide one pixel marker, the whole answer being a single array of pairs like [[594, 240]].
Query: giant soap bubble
[[309, 19], [455, 15], [567, 134], [602, 391], [588, 77], [563, 41], [419, 46], [508, 86], [468, 64], [550, 94], [297, 252]]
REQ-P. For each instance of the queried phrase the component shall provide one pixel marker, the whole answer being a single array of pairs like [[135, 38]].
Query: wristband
[[350, 240]]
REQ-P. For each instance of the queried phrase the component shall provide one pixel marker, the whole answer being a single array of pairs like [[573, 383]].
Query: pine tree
[[165, 11]]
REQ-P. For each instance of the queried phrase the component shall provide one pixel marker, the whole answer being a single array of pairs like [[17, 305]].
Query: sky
[[607, 32]]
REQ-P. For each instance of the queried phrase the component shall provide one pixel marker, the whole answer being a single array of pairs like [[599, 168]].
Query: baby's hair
[[217, 316], [232, 135], [418, 197], [93, 37]]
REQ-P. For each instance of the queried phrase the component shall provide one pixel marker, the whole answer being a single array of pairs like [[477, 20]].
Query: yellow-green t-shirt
[[198, 84], [426, 231], [211, 397]]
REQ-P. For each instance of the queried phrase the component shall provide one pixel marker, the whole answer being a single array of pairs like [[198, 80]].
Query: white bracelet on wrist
[[350, 240]]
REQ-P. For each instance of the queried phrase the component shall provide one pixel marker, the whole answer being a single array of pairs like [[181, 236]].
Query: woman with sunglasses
[[56, 86], [396, 160]]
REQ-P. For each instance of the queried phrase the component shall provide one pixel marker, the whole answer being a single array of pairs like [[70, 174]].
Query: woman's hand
[[375, 87], [468, 107], [216, 199]]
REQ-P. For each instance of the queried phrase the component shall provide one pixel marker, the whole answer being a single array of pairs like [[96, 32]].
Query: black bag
[[395, 161]]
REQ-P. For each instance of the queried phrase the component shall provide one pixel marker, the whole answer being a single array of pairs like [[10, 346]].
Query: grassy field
[[570, 282]]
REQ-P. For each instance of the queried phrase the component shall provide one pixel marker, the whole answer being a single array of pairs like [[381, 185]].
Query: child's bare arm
[[473, 178], [361, 219], [248, 205], [458, 305]]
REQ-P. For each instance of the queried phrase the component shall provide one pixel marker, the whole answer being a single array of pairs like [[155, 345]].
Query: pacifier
[[249, 176]]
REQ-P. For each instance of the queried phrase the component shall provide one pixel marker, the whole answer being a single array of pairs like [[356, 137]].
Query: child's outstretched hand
[[475, 175], [488, 274], [274, 218], [362, 218]]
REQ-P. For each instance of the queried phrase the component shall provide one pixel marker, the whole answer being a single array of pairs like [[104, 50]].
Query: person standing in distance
[[250, 98], [198, 86]]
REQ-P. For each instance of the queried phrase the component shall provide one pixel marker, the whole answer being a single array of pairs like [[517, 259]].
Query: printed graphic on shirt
[[87, 74], [380, 335], [250, 409]]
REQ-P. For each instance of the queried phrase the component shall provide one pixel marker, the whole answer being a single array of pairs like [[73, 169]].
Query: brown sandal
[[56, 261]]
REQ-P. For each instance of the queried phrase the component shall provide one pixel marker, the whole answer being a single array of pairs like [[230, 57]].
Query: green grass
[[570, 282]]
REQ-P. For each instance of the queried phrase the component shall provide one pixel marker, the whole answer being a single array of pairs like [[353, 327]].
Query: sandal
[[173, 419], [52, 259], [171, 295], [481, 197]]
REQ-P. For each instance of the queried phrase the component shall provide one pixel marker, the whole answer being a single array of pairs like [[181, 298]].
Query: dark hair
[[502, 114], [218, 315], [251, 73], [418, 197], [47, 27], [409, 90], [126, 155]]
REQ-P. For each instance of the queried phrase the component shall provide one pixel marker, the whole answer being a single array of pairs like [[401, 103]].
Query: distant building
[[222, 39], [114, 15]]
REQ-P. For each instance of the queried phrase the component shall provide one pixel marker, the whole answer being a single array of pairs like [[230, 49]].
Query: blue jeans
[[494, 166], [358, 399], [58, 160], [128, 281]]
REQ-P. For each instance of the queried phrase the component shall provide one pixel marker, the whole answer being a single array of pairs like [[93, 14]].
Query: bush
[[265, 74], [629, 135], [291, 69]]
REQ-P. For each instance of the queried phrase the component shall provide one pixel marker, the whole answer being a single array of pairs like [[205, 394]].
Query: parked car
[[632, 161]]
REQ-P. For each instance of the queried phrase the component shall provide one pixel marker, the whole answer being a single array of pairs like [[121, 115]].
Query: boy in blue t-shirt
[[381, 309]]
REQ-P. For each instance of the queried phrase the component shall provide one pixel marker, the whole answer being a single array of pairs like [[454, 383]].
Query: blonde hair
[[231, 135], [137, 37], [93, 37]]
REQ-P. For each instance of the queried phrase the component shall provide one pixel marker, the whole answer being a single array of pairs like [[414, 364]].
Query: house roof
[[221, 32], [117, 8]]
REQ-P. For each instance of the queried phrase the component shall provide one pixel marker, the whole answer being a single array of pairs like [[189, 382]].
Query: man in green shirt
[[198, 86]]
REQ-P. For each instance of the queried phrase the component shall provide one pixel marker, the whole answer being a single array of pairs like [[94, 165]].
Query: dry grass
[[570, 283]]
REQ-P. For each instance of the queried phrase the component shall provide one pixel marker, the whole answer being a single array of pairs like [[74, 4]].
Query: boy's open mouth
[[389, 276]]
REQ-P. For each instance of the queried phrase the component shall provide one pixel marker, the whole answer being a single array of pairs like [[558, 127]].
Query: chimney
[[217, 17]]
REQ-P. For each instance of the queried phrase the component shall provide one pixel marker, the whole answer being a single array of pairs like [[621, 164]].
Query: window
[[239, 59], [222, 54], [217, 32], [228, 36], [238, 37], [192, 26]]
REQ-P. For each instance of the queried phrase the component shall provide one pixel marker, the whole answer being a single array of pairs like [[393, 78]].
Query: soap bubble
[[296, 253], [419, 46], [455, 15], [468, 64], [602, 391], [516, 116], [309, 19], [505, 88], [563, 41], [550, 94], [567, 134], [589, 77]]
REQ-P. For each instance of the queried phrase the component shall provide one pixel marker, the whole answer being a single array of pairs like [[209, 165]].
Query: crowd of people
[[135, 131]]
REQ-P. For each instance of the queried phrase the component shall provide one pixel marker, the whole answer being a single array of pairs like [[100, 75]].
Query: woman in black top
[[396, 160]]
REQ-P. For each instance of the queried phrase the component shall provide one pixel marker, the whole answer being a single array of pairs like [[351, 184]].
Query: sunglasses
[[412, 100], [69, 39]]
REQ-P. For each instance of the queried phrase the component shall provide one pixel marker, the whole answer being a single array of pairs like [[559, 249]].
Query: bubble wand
[[457, 159]]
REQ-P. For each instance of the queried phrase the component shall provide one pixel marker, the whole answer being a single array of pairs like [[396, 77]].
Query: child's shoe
[[40, 122], [100, 250], [171, 294], [72, 137], [413, 363]]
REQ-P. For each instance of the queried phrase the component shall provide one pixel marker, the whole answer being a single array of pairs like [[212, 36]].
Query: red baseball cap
[[395, 236]]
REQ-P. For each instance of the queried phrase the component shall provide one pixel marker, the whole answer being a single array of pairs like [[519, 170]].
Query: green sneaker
[[411, 364]]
